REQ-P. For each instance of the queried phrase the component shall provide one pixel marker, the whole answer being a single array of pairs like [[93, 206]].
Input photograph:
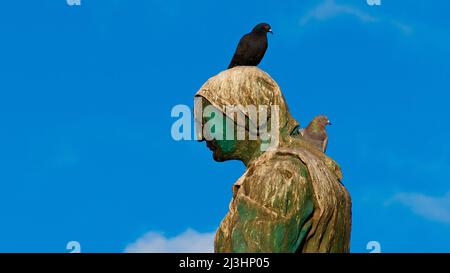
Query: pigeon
[[251, 47], [315, 132]]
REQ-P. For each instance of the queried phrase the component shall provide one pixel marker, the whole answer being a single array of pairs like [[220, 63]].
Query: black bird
[[251, 47]]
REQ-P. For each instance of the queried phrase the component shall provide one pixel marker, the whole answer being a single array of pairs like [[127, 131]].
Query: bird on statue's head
[[252, 47]]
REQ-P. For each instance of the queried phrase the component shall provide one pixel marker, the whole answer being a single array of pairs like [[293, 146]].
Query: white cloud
[[189, 241], [429, 207], [401, 26], [329, 9]]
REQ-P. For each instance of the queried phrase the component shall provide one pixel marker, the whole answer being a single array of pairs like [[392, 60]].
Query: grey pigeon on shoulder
[[315, 132]]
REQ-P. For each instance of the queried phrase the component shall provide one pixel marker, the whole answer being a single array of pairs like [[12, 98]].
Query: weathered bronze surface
[[290, 198]]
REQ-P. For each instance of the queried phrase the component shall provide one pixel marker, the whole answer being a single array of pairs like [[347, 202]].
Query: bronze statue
[[290, 198]]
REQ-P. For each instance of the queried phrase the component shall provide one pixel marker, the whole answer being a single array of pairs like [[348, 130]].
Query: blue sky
[[86, 92]]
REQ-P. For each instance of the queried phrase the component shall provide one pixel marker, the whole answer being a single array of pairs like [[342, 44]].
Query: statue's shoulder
[[277, 167], [274, 181]]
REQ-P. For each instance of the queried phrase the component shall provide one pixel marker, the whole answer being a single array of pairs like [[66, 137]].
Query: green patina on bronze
[[290, 199], [240, 246]]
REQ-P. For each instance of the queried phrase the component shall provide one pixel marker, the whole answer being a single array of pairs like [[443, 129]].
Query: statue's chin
[[217, 156]]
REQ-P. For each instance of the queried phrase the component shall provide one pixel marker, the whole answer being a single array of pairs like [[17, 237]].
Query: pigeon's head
[[262, 28], [322, 120]]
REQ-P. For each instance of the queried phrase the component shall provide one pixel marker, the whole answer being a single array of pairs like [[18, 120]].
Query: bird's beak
[[270, 30], [329, 123]]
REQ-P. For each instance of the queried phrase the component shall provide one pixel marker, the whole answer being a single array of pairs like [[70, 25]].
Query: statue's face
[[225, 148], [222, 149]]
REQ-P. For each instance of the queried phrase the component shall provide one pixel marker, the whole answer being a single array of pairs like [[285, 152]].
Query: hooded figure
[[290, 198]]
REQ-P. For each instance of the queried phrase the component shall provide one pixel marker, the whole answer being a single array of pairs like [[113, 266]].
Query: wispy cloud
[[429, 207], [189, 241], [329, 9], [406, 29]]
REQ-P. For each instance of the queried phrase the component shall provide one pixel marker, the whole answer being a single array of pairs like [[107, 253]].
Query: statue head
[[222, 136], [241, 113]]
